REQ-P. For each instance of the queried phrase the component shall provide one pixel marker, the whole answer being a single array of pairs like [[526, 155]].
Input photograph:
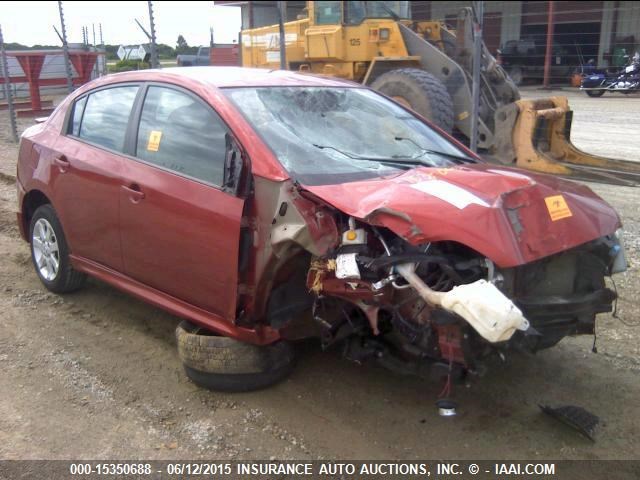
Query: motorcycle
[[625, 81]]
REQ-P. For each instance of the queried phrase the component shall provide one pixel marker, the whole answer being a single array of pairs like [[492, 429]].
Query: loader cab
[[344, 37], [356, 12], [336, 38]]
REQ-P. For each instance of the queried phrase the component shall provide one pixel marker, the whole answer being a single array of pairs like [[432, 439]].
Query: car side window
[[78, 109], [179, 133], [106, 116]]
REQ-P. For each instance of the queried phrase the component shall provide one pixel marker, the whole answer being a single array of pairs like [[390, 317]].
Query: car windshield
[[325, 135]]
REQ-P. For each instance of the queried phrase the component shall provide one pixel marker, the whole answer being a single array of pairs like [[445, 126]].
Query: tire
[[516, 74], [595, 93], [228, 365], [45, 225], [420, 91]]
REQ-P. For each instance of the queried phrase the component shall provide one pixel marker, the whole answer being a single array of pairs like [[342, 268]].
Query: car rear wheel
[[50, 252], [224, 364]]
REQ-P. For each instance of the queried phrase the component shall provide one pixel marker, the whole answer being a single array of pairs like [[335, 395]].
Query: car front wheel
[[50, 253]]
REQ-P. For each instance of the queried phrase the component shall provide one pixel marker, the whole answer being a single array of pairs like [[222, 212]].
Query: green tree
[[181, 45], [166, 51]]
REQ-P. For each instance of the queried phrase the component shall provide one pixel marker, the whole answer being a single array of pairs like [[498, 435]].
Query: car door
[[179, 230], [86, 172]]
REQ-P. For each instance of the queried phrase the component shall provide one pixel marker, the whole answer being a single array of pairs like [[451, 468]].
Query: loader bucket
[[542, 142]]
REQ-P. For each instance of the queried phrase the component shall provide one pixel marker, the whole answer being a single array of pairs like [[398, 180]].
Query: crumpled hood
[[510, 216]]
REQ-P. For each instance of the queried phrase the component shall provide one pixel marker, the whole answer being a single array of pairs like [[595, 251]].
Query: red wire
[[446, 391]]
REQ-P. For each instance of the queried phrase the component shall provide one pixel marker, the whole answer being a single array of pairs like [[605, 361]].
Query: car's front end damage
[[435, 267], [389, 238]]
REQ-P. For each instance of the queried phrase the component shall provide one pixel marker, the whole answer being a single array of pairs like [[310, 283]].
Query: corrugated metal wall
[[619, 21]]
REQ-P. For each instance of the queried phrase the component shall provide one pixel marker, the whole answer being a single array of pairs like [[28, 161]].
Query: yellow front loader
[[427, 66]]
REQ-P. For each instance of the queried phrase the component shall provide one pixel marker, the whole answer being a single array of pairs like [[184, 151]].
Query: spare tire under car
[[222, 363]]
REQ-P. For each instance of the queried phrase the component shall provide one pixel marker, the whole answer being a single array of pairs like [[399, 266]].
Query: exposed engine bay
[[433, 270], [422, 309]]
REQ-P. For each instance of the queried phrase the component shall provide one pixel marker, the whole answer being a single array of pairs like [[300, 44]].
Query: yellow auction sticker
[[154, 140], [557, 207]]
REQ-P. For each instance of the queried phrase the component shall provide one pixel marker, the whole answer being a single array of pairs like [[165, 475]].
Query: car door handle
[[62, 163], [134, 192]]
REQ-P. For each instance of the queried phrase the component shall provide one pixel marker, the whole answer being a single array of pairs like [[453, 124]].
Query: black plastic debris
[[576, 417]]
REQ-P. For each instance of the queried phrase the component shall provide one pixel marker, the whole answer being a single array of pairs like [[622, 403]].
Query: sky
[[31, 23]]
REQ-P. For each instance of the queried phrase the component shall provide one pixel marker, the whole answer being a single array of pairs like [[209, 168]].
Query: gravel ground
[[95, 374]]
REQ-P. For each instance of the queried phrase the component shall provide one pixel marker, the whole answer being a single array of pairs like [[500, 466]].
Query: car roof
[[240, 77]]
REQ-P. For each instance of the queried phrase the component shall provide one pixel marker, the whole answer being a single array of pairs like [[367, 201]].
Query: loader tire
[[224, 364], [419, 91]]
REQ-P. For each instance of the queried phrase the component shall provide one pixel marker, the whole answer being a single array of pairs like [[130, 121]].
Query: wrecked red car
[[265, 207]]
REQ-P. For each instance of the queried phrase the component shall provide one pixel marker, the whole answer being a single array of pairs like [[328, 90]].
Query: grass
[[164, 63]]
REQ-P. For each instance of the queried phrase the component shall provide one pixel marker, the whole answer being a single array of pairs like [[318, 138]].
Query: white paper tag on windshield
[[346, 266]]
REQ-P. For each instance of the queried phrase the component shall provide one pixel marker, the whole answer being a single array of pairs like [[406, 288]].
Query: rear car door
[[86, 175], [179, 230]]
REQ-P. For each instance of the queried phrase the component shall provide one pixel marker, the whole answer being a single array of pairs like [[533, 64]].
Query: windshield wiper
[[393, 160], [346, 154], [462, 158], [360, 157]]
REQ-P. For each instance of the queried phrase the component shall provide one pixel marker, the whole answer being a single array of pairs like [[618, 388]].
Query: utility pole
[[95, 72], [478, 8], [103, 65], [7, 90], [152, 26], [65, 49], [282, 15]]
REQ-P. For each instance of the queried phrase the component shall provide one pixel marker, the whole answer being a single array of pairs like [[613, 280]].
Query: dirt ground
[[95, 374]]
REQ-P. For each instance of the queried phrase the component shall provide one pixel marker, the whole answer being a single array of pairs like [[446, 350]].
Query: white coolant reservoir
[[354, 236], [487, 310]]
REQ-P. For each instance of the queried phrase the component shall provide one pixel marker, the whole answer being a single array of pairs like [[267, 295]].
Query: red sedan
[[265, 207]]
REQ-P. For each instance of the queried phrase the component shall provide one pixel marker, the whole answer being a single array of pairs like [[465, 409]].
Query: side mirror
[[233, 166]]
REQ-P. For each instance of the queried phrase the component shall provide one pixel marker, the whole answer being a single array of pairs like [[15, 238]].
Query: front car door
[[179, 231], [86, 175]]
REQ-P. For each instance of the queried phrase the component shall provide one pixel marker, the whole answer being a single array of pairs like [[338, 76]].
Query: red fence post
[[32, 66], [549, 52], [83, 62]]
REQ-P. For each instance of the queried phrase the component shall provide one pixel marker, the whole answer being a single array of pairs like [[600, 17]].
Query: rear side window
[[78, 108], [179, 133], [106, 116]]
